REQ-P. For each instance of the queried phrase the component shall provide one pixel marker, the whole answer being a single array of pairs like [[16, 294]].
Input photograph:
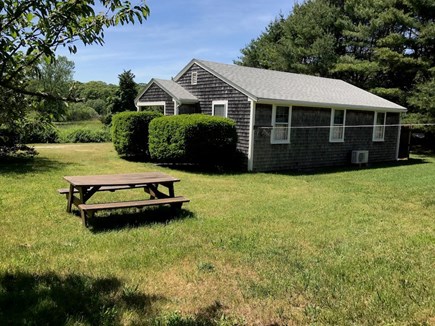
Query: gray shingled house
[[284, 120]]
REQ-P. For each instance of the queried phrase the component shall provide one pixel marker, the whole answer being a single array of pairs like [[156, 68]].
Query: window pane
[[338, 117], [380, 118], [282, 114], [280, 132], [379, 132], [219, 110], [337, 133]]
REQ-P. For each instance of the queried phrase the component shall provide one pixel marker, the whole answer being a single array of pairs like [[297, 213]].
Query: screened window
[[280, 125], [338, 121], [379, 126], [220, 108]]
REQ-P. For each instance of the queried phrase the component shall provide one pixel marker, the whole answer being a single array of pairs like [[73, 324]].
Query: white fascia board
[[331, 105], [251, 136], [155, 103], [214, 73]]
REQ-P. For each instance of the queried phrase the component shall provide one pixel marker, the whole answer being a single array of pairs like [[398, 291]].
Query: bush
[[130, 133], [83, 135], [106, 119], [80, 112], [39, 131], [193, 138]]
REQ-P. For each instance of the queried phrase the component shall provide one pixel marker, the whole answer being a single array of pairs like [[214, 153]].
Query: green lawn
[[338, 247]]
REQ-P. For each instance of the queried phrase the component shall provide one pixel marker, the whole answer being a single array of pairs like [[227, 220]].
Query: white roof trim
[[329, 105]]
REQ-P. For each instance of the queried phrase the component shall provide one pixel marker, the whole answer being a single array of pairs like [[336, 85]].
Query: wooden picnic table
[[82, 188]]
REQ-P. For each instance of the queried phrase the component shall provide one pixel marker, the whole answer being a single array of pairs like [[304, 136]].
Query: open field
[[336, 247]]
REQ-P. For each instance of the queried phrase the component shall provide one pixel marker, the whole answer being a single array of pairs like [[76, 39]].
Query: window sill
[[282, 142]]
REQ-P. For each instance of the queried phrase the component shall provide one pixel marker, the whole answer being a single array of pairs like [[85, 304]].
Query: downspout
[[251, 136], [175, 106], [399, 131]]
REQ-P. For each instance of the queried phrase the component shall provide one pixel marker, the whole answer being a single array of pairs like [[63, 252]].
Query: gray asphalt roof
[[261, 84]]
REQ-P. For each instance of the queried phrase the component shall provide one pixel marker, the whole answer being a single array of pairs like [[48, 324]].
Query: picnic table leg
[[70, 198], [171, 190]]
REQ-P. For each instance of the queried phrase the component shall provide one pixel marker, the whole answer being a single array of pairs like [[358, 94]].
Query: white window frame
[[194, 78], [332, 139], [275, 125], [140, 105], [379, 127], [221, 102]]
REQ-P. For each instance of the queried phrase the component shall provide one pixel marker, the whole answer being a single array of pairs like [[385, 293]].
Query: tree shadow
[[52, 299], [33, 165], [106, 221]]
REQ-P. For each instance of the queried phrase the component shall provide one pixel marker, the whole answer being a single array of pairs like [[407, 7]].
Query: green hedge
[[193, 138], [130, 133], [84, 135]]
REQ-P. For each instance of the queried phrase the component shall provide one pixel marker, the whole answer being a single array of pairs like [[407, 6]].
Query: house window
[[379, 126], [220, 108], [338, 122], [194, 78], [281, 116]]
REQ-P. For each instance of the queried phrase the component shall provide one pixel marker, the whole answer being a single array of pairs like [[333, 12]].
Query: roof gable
[[270, 85], [176, 91]]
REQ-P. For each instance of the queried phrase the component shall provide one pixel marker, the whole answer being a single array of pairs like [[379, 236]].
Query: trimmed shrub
[[83, 135], [130, 133], [193, 138]]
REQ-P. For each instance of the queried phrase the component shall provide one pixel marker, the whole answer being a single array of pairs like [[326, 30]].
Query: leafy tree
[[33, 30], [126, 93], [54, 78]]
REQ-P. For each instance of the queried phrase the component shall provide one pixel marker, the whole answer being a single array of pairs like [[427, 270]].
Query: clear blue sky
[[176, 32]]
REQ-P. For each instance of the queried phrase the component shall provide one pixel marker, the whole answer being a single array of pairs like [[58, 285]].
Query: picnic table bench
[[82, 188]]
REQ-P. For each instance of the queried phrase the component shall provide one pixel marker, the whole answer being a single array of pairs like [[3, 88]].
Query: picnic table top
[[120, 179]]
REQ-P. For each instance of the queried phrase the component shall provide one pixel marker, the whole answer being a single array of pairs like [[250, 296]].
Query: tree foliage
[[54, 78], [32, 30], [384, 46], [126, 93]]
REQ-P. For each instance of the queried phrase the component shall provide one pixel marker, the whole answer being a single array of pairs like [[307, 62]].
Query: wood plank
[[64, 191], [135, 203], [120, 179]]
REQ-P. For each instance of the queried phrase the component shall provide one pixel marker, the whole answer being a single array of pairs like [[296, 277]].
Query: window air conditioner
[[359, 157]]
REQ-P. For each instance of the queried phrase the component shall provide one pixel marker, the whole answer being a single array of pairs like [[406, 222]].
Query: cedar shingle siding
[[156, 94], [210, 88], [310, 147]]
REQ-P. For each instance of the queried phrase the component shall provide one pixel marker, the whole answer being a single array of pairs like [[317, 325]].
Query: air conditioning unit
[[360, 157]]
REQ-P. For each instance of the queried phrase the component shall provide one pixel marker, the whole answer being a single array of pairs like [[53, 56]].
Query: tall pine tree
[[125, 95]]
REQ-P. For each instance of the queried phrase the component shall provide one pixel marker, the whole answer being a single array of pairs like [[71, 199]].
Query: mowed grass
[[337, 247]]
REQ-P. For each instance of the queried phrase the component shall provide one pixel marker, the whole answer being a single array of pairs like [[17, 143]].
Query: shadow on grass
[[22, 166], [204, 170], [51, 299], [105, 221], [210, 171], [352, 168]]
